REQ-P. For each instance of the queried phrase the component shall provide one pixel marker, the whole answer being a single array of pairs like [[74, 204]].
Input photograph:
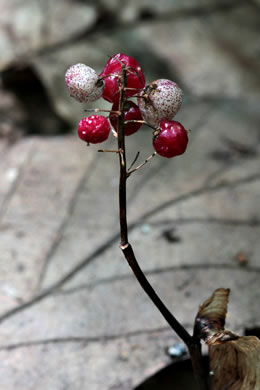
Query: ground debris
[[234, 361]]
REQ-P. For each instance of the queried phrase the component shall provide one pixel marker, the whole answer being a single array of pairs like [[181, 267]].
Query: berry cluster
[[158, 103]]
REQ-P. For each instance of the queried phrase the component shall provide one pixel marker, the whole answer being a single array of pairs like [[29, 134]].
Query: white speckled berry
[[83, 83], [161, 99]]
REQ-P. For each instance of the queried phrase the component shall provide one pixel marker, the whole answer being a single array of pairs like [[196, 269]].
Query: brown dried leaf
[[234, 360], [212, 314], [235, 364]]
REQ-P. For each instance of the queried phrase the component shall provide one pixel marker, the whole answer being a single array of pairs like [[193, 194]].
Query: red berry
[[94, 129], [132, 112], [172, 139], [161, 99], [135, 77]]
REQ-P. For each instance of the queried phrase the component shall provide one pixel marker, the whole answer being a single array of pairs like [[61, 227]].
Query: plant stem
[[129, 171], [192, 343]]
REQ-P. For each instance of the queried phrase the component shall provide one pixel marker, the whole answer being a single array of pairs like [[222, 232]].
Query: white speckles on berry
[[83, 83], [161, 99]]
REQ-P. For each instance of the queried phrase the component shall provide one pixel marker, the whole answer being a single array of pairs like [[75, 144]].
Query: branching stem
[[129, 172], [134, 161]]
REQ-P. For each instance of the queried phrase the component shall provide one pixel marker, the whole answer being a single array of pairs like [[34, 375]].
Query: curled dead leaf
[[212, 314], [235, 364], [234, 361]]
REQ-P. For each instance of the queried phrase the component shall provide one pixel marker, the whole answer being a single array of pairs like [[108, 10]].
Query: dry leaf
[[212, 314], [234, 361], [235, 364]]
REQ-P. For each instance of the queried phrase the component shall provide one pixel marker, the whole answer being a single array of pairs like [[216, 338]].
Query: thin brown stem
[[135, 121], [132, 89], [101, 110], [134, 161], [192, 343], [129, 172], [139, 121], [108, 151], [122, 160], [114, 113], [175, 325]]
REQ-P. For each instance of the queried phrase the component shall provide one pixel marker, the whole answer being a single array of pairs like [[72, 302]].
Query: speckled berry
[[94, 129], [131, 112], [161, 99], [172, 139], [83, 83], [135, 77]]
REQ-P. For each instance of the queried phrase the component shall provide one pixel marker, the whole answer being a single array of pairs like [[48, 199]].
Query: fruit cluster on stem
[[157, 104]]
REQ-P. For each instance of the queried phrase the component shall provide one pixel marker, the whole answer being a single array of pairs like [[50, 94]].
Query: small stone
[[177, 350], [145, 228]]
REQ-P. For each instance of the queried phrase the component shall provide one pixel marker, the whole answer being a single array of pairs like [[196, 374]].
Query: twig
[[140, 121], [114, 133], [136, 121], [108, 151], [132, 70], [192, 343], [134, 161], [101, 110], [129, 172], [132, 89]]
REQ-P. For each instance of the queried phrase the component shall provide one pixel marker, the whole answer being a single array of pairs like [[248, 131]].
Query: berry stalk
[[193, 344], [122, 160]]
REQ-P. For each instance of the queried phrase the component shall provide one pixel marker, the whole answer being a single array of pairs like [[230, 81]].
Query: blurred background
[[72, 316]]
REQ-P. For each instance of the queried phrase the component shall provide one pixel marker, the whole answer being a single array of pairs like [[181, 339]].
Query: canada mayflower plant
[[121, 81]]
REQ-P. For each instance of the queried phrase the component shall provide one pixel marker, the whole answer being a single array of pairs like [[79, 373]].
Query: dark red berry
[[172, 140], [94, 129], [135, 77], [132, 112]]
